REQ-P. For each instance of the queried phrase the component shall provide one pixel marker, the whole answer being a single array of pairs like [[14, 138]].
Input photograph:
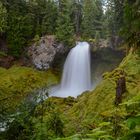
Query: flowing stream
[[76, 76]]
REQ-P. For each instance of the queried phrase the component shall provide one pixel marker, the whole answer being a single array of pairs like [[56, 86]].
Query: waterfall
[[76, 76]]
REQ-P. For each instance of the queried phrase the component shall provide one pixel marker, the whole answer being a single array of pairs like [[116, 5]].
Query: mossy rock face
[[17, 82]]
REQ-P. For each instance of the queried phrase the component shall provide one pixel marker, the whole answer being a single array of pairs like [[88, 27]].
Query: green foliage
[[132, 136], [47, 121], [132, 23], [44, 15], [3, 18], [113, 21], [133, 122], [21, 20], [22, 123], [50, 13], [76, 15], [65, 29], [92, 12], [19, 27], [122, 18], [100, 134], [55, 124]]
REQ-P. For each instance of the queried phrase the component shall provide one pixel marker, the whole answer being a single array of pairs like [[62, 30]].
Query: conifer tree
[[76, 15], [3, 18], [98, 21], [19, 27], [65, 29], [114, 15], [48, 25], [131, 28], [92, 17]]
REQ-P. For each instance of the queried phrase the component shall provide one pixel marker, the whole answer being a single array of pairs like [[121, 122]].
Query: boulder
[[42, 53]]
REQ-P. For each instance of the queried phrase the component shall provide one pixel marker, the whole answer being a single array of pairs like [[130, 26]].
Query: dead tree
[[120, 89]]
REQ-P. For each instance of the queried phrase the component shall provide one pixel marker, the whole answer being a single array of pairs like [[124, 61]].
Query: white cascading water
[[76, 76]]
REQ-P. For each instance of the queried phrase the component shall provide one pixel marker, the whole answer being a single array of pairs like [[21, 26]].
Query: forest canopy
[[23, 20]]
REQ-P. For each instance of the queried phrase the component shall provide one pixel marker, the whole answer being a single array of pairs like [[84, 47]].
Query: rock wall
[[42, 53]]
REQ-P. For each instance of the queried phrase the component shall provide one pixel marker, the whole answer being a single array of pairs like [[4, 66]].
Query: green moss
[[17, 82]]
